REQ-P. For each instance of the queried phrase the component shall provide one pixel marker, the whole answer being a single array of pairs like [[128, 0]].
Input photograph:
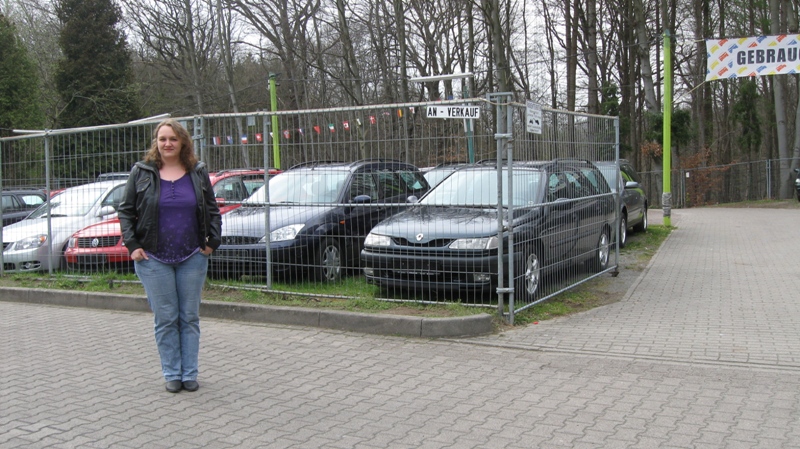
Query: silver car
[[27, 244]]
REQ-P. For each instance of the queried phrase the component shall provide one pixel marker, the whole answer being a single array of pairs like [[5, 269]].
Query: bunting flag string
[[346, 125]]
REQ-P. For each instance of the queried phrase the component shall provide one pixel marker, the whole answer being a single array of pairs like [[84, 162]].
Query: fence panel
[[718, 184], [564, 265], [345, 171]]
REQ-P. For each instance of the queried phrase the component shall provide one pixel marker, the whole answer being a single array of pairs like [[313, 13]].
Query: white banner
[[753, 56]]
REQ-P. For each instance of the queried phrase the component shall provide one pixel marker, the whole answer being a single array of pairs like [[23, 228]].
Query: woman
[[171, 224]]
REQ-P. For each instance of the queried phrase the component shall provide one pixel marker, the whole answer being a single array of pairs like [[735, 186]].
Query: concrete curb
[[368, 323]]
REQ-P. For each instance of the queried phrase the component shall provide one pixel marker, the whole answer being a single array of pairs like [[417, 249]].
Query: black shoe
[[190, 385], [174, 386]]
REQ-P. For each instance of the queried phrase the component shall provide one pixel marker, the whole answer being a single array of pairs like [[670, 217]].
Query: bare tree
[[183, 44], [284, 24]]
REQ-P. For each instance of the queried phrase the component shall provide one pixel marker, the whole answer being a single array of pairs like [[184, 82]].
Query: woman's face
[[169, 144]]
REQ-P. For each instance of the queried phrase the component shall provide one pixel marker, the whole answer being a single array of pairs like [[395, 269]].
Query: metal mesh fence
[[719, 184], [342, 203]]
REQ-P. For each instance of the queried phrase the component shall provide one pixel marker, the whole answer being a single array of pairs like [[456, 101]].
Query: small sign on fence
[[459, 111], [533, 117]]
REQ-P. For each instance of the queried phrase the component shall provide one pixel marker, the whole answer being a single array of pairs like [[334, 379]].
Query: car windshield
[[304, 186], [70, 203], [610, 173], [435, 175], [479, 188]]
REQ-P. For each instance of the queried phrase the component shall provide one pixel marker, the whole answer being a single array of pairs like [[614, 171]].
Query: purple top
[[178, 229]]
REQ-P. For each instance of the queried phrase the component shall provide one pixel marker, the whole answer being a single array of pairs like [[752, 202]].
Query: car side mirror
[[631, 185], [106, 210], [412, 199], [362, 199]]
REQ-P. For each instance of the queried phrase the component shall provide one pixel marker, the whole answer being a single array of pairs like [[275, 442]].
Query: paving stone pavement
[[701, 353]]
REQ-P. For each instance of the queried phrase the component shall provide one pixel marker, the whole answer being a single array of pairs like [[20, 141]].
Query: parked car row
[[36, 243], [101, 245], [379, 217]]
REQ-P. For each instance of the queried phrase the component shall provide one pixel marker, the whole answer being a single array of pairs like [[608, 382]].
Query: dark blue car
[[319, 215], [560, 213]]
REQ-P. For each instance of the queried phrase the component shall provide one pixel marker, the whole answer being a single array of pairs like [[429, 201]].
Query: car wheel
[[623, 230], [328, 261], [642, 225], [599, 260], [529, 276]]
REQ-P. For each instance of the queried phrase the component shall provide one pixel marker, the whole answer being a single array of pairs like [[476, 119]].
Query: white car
[[27, 244]]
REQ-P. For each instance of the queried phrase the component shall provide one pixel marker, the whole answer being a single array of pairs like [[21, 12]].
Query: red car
[[101, 245]]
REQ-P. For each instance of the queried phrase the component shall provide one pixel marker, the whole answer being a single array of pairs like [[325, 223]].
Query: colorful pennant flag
[[244, 139], [372, 120], [358, 122], [216, 140], [230, 139], [400, 113], [259, 137], [301, 132], [287, 134], [317, 129], [346, 125], [331, 127]]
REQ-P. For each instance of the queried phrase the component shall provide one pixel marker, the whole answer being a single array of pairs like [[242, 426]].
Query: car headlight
[[30, 242], [475, 243], [377, 240], [73, 242], [284, 233]]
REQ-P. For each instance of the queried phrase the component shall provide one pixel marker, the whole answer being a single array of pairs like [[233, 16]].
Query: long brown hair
[[187, 157]]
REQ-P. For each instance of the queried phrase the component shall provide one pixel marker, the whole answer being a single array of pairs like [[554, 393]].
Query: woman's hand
[[207, 250], [138, 254]]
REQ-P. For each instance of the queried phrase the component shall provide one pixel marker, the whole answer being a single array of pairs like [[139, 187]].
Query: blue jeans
[[173, 292]]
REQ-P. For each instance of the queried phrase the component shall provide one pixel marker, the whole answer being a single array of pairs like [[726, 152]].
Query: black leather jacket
[[138, 213]]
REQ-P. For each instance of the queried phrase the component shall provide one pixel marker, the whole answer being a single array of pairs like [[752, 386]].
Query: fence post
[[769, 178], [198, 133], [502, 136], [1, 209], [49, 210], [265, 149]]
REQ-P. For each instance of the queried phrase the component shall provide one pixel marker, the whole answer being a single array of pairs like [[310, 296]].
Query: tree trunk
[[780, 112], [593, 105], [643, 52]]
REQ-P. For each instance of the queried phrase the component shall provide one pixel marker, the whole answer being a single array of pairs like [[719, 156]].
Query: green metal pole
[[273, 97], [666, 197]]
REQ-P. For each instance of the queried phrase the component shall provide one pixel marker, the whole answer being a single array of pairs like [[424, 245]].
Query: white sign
[[454, 112], [533, 117], [752, 56]]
